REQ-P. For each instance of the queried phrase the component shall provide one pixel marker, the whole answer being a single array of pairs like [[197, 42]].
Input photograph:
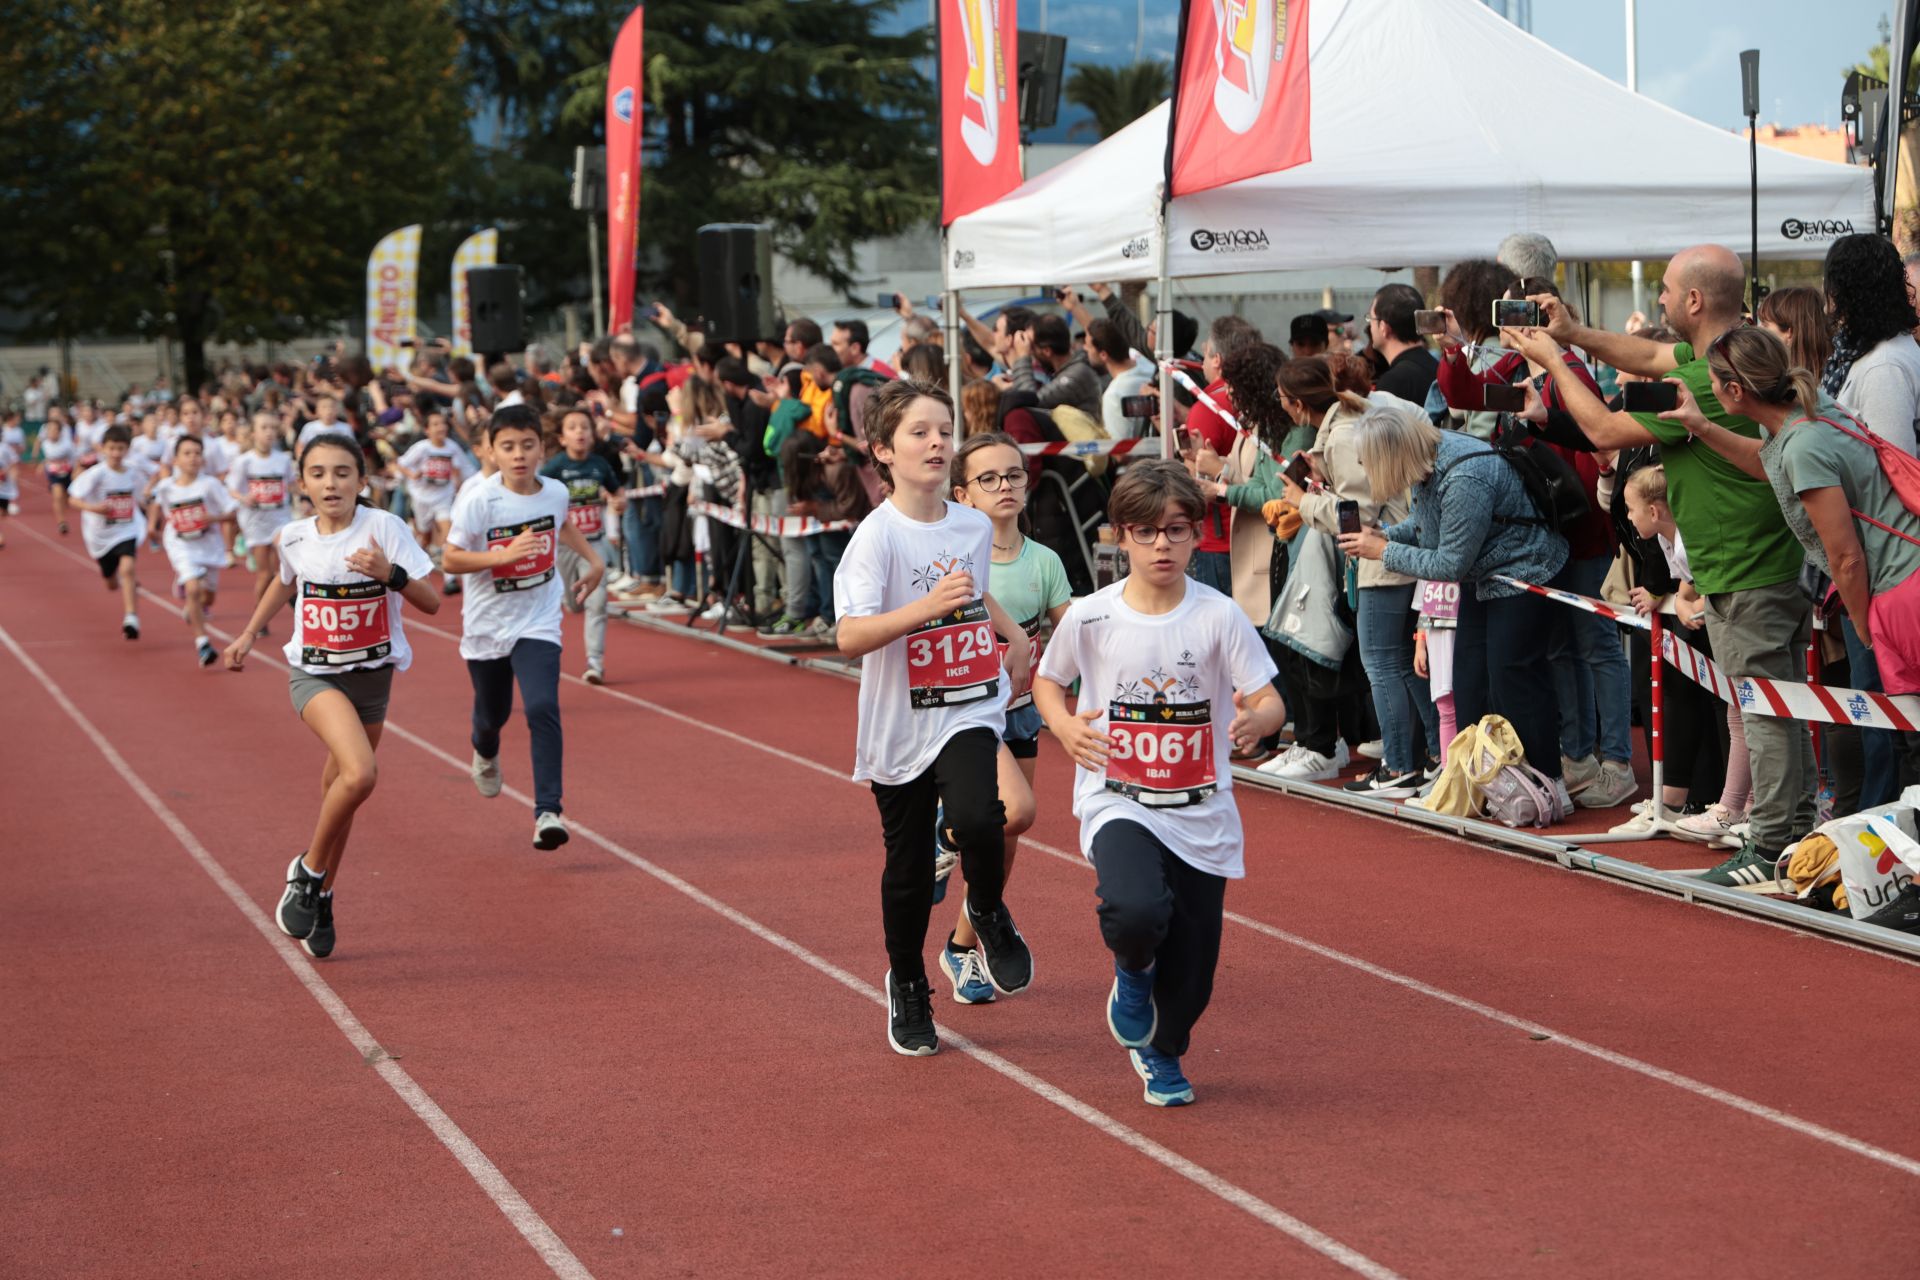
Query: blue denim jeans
[[535, 666], [1879, 748], [823, 558], [1215, 568], [1591, 680], [641, 527], [1386, 621]]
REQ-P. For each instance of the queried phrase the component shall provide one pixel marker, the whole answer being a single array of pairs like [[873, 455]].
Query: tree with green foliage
[[217, 170], [1117, 96], [1879, 61], [798, 113]]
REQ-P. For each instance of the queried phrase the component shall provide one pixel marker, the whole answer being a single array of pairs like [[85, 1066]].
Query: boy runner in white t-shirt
[[58, 453], [592, 487], [107, 496], [346, 567], [505, 534], [434, 469], [327, 421], [911, 598], [188, 509], [1165, 661], [262, 481], [9, 483]]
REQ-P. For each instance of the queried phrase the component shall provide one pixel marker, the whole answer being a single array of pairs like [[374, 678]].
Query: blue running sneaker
[[1131, 1013], [969, 975], [1166, 1087], [945, 856]]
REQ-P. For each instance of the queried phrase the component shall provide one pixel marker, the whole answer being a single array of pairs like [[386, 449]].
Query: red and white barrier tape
[[1084, 448], [644, 491], [1787, 699], [774, 526]]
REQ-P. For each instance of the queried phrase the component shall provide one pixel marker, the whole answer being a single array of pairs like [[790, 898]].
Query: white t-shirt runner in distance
[[1166, 683], [118, 491], [502, 606], [191, 512], [343, 620], [919, 691]]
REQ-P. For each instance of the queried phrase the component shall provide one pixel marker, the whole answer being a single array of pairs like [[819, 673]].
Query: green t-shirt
[[1736, 536], [1030, 585], [1812, 455]]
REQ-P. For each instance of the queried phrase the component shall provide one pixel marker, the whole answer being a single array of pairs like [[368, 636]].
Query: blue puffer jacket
[[1469, 522]]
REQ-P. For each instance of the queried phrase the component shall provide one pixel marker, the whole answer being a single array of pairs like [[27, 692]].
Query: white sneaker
[[549, 832], [1286, 757], [1308, 766], [596, 676], [1373, 750], [486, 775], [1707, 827]]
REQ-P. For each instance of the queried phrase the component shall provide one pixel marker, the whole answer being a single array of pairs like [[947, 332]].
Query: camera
[[1516, 313], [1503, 399], [1650, 397], [1429, 322], [1348, 512], [1140, 406]]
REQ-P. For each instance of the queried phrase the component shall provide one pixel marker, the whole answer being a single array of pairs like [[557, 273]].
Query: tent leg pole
[[956, 345], [1163, 338]]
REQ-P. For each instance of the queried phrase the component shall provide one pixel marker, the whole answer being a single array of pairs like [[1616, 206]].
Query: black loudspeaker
[[493, 297], [1043, 61], [736, 281]]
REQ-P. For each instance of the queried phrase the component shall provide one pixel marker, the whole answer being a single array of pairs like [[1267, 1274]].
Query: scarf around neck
[[1840, 364]]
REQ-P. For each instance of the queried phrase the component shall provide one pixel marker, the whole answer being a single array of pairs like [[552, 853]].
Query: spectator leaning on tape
[[1745, 560], [1838, 501], [1471, 520]]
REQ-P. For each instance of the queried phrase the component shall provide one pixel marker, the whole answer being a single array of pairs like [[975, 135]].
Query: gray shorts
[[367, 689]]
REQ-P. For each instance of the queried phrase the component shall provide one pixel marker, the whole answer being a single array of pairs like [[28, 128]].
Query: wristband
[[397, 580]]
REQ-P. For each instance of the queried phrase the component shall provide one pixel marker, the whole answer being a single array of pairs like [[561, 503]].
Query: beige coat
[[1252, 542], [1338, 457]]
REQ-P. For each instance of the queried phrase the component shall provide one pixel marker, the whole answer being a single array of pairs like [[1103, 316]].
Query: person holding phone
[[1127, 379]]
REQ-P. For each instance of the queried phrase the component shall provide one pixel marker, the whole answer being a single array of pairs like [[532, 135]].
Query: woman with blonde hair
[[1471, 523]]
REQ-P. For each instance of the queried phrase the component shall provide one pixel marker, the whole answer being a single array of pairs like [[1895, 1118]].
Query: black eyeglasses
[[1148, 534], [994, 481]]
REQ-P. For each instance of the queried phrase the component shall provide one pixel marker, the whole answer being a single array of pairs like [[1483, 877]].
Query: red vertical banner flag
[[623, 171], [979, 105], [1243, 102]]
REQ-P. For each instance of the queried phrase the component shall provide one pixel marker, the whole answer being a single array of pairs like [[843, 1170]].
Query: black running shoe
[[130, 628], [319, 943], [1009, 963], [910, 1017], [300, 904], [208, 654], [1903, 913]]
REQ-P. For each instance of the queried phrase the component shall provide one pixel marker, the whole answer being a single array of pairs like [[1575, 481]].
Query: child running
[[107, 496], [591, 486], [911, 597], [434, 468], [262, 480], [1030, 583], [187, 509], [1161, 658], [504, 536], [58, 454], [343, 564], [9, 482]]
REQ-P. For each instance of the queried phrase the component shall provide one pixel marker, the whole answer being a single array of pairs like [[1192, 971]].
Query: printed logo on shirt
[[1161, 731], [529, 571]]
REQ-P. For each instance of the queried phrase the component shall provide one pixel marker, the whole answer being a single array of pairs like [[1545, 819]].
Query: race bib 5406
[[343, 623], [953, 659], [1161, 754], [532, 570], [266, 491]]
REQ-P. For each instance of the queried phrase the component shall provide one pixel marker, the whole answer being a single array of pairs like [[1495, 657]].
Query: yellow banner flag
[[393, 298]]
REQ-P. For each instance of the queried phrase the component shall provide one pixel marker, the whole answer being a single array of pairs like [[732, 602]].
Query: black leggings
[[1500, 666], [966, 776], [1157, 909]]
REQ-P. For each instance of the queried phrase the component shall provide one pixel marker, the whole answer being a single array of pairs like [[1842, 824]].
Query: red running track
[[659, 1050]]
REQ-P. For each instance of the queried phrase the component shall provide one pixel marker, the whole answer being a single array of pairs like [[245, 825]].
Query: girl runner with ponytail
[[342, 567]]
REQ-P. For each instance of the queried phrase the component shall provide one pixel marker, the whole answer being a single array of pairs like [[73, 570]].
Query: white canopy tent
[[1438, 128]]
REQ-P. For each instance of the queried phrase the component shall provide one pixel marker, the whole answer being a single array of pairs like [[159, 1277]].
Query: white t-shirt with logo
[[439, 471], [119, 491], [149, 452], [921, 690], [59, 455], [264, 488], [502, 606], [343, 620], [9, 459], [191, 513], [1166, 683]]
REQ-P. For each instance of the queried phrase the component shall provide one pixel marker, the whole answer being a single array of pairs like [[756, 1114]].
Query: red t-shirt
[[1216, 532]]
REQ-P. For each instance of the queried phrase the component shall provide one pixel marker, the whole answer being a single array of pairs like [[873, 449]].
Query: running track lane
[[1411, 1131]]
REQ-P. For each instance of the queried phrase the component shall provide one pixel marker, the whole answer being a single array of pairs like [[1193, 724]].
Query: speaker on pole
[[493, 294], [736, 281]]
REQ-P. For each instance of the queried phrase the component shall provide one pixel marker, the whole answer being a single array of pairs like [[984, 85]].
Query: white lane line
[[511, 1203], [1240, 1198], [1698, 1088]]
